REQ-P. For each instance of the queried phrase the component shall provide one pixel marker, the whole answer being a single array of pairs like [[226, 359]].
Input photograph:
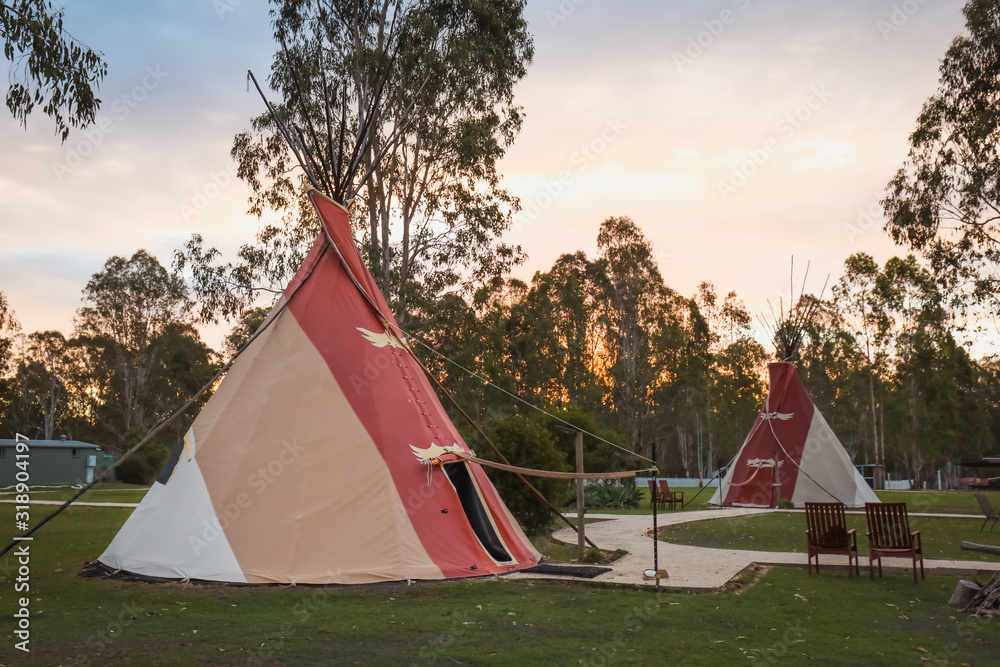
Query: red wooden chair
[[670, 498], [889, 535], [826, 533], [654, 495]]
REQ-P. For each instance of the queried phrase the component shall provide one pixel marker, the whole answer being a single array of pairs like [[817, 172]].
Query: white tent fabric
[[158, 540]]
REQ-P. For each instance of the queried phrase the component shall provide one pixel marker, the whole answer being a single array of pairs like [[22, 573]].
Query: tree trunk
[[879, 475]]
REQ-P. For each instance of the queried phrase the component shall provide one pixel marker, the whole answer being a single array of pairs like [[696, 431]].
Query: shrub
[[618, 496], [526, 444], [621, 495], [144, 466]]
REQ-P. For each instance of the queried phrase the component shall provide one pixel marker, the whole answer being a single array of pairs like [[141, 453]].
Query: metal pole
[[580, 539], [656, 538]]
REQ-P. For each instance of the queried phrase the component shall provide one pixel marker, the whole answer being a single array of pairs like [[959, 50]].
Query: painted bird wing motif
[[434, 451], [380, 339]]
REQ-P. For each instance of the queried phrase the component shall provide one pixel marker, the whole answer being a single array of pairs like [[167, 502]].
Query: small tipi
[[791, 433], [311, 462], [791, 452]]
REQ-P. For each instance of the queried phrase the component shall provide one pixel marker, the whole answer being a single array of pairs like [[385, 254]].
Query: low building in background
[[52, 462]]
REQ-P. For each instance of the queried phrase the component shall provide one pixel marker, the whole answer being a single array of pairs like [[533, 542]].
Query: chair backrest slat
[[984, 504], [827, 524], [888, 524]]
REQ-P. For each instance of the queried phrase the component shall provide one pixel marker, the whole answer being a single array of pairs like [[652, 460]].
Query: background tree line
[[601, 342], [405, 108]]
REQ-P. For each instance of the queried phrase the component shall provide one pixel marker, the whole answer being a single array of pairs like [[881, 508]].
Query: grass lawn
[[699, 503], [104, 492], [785, 617], [785, 531], [940, 502]]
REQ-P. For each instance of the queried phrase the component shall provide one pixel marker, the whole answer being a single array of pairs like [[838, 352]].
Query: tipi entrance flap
[[479, 518]]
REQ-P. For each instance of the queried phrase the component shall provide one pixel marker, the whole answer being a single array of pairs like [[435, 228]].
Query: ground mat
[[584, 571]]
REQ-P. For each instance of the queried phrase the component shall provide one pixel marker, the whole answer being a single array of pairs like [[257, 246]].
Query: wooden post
[[776, 480], [580, 539]]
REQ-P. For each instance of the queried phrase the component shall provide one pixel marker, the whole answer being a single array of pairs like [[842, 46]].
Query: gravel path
[[81, 503], [699, 568]]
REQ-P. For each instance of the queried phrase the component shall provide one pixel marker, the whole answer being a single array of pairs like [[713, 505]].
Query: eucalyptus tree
[[403, 107], [130, 308], [737, 382], [44, 379], [945, 199], [860, 298], [634, 314], [8, 328], [558, 310], [934, 414], [48, 66]]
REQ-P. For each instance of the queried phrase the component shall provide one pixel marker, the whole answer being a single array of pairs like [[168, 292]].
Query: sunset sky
[[736, 133]]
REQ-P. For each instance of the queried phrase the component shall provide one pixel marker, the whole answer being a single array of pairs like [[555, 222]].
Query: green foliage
[[944, 199], [142, 357], [405, 108], [245, 329], [526, 444], [48, 66], [611, 495], [599, 454], [134, 360], [633, 313], [144, 466]]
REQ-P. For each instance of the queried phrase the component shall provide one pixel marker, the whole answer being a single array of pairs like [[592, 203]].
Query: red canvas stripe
[[393, 399], [786, 396]]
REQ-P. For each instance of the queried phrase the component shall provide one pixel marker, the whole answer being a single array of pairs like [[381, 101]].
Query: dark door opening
[[468, 494]]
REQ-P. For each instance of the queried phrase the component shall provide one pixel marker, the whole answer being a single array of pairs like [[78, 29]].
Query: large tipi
[[311, 462], [790, 434]]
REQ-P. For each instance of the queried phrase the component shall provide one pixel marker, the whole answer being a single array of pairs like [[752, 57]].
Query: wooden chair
[[654, 495], [671, 498], [988, 511], [889, 535], [826, 533]]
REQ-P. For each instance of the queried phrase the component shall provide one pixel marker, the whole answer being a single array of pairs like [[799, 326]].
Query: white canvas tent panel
[[158, 539]]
